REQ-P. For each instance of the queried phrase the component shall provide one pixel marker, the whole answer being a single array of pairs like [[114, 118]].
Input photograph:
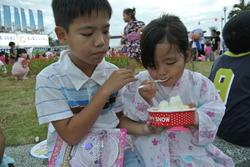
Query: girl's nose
[[161, 70]]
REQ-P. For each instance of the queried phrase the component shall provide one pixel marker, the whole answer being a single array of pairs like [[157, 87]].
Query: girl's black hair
[[130, 12], [165, 28], [19, 52], [65, 11]]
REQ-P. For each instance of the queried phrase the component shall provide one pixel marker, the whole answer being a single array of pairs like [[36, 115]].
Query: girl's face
[[24, 55], [126, 18], [169, 63]]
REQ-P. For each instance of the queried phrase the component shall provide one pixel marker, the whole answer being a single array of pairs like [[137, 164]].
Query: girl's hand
[[149, 129], [118, 79], [139, 31], [123, 41], [148, 91], [196, 119]]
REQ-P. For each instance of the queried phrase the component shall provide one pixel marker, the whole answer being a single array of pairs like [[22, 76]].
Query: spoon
[[159, 80]]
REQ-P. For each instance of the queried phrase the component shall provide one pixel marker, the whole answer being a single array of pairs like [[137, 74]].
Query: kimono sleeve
[[210, 110]]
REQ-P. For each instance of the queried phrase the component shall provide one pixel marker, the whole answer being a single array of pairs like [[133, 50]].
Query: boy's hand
[[149, 129], [118, 79], [148, 91]]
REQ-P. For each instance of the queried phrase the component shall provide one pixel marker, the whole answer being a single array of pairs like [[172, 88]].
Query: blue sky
[[190, 12]]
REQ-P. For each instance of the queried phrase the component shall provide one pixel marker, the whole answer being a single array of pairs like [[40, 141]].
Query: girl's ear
[[61, 34]]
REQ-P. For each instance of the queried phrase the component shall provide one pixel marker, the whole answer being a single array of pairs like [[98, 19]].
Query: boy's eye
[[87, 34], [106, 32]]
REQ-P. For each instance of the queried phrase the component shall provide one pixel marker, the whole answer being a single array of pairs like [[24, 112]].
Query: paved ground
[[21, 154]]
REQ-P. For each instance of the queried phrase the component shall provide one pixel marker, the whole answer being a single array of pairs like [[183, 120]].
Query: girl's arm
[[25, 63], [210, 112], [136, 128]]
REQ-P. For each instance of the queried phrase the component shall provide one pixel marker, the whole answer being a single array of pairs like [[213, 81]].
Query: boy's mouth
[[99, 53]]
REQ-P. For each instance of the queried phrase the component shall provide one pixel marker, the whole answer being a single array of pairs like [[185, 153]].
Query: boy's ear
[[189, 56], [61, 35]]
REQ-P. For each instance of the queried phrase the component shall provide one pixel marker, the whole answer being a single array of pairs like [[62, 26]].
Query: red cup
[[171, 118]]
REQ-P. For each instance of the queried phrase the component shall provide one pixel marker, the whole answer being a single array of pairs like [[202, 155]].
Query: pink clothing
[[179, 147], [208, 50], [2, 59], [17, 69]]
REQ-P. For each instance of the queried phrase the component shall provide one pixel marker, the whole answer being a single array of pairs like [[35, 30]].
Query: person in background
[[215, 45], [2, 57], [230, 74], [49, 54], [20, 68], [221, 42], [165, 51], [2, 145], [7, 59], [131, 37], [5, 161], [208, 51], [12, 46]]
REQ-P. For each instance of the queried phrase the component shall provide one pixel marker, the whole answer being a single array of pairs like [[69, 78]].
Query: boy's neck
[[88, 70]]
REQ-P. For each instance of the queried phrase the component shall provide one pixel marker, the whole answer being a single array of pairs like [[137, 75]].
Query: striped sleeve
[[51, 104]]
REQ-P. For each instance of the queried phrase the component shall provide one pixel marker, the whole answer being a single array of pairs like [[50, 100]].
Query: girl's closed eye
[[171, 63]]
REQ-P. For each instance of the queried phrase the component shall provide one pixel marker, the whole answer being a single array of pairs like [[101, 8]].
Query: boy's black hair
[[11, 43], [130, 12], [166, 28], [236, 33], [65, 11], [213, 30]]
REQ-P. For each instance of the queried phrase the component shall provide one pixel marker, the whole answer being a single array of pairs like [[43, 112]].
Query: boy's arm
[[2, 145], [74, 128]]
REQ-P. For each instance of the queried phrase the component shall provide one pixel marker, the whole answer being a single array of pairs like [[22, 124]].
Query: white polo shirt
[[62, 90]]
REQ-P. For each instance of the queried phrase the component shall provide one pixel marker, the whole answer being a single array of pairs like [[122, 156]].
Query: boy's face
[[12, 46], [88, 39]]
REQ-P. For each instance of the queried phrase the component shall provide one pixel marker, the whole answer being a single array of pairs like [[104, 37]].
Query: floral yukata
[[133, 46], [179, 146]]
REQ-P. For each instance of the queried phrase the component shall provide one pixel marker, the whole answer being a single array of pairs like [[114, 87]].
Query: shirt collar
[[79, 78], [228, 53]]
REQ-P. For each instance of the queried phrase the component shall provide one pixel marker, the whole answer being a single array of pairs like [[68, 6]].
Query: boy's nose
[[100, 41]]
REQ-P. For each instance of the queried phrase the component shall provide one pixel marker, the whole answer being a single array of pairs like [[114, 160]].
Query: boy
[[80, 92], [231, 77], [12, 46]]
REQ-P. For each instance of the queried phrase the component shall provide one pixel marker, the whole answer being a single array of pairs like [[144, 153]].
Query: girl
[[165, 51], [20, 68], [132, 37]]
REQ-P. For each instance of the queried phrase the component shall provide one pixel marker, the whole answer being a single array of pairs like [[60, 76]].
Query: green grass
[[18, 113]]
